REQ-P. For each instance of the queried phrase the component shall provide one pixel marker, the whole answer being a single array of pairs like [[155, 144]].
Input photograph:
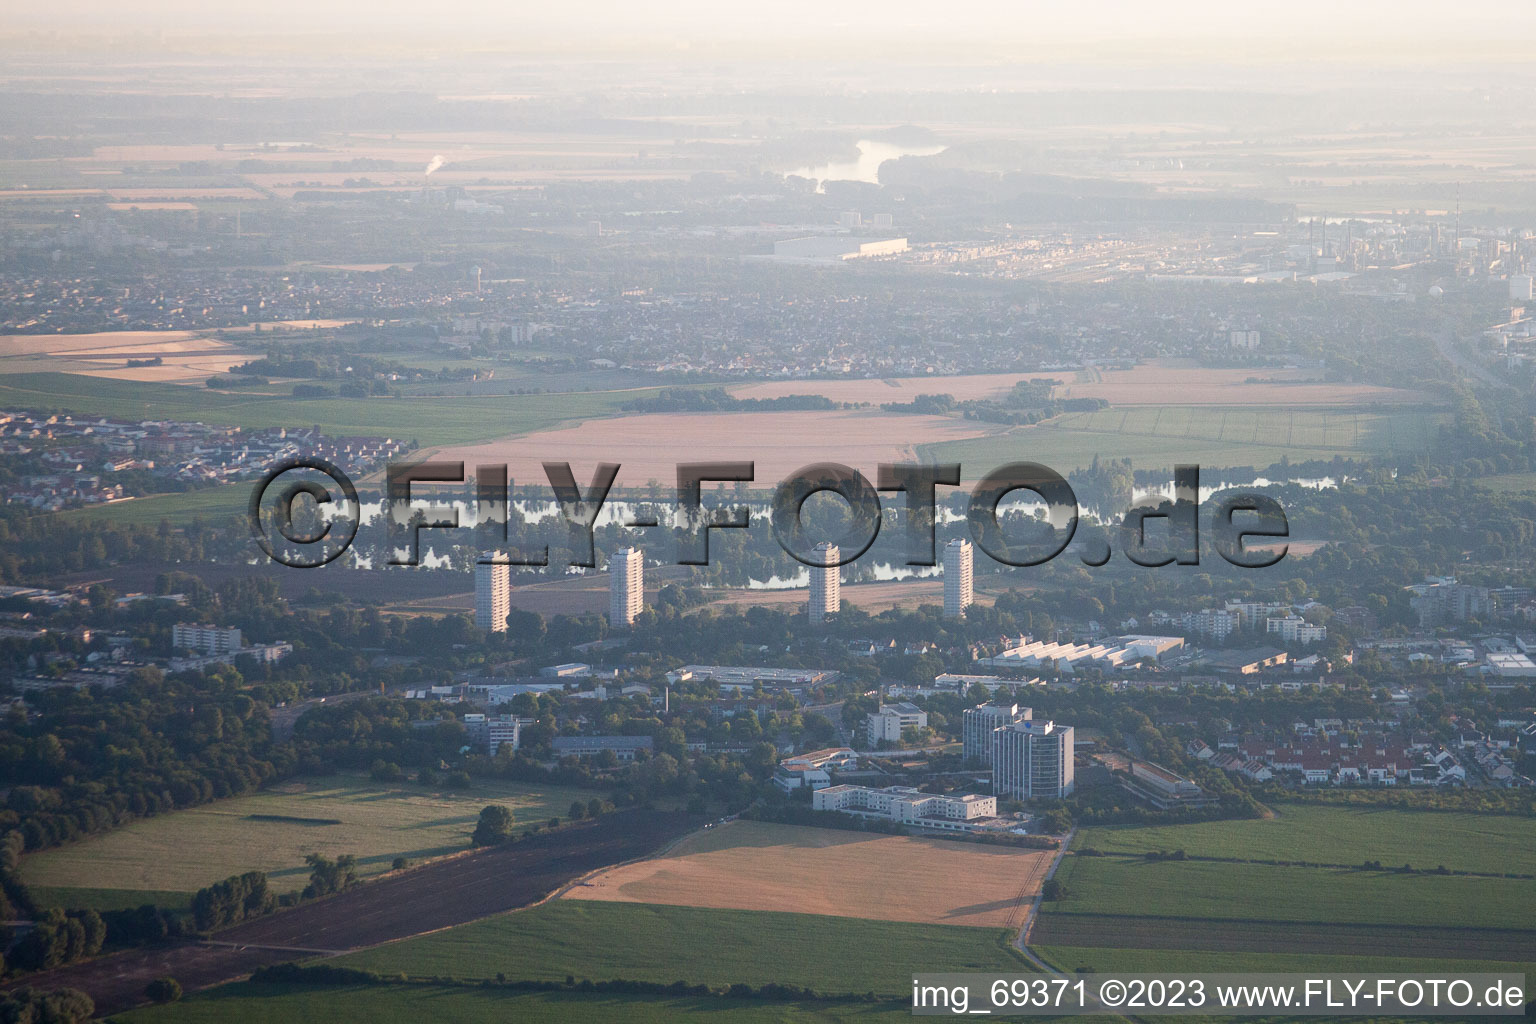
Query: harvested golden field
[[750, 865], [125, 195], [1158, 382], [1175, 382], [157, 204], [187, 357], [49, 193], [649, 446], [151, 342], [895, 389]]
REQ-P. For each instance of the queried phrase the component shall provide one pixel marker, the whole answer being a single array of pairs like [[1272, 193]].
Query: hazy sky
[[1369, 25]]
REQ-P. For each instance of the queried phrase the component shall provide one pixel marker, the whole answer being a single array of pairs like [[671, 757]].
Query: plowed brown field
[[749, 865]]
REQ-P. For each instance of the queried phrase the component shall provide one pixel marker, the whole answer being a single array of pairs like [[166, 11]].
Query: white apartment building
[[502, 731], [198, 636], [493, 596], [1293, 629], [1216, 623], [626, 593], [1251, 613], [492, 732], [826, 584], [891, 719], [959, 577]]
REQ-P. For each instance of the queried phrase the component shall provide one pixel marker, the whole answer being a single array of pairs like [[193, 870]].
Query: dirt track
[[425, 899]]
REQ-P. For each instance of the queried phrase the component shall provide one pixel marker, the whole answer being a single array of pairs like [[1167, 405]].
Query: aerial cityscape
[[611, 515]]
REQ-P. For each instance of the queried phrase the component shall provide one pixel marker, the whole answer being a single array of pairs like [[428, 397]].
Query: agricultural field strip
[[430, 420], [1228, 891], [1494, 844], [431, 897], [274, 829], [1121, 906], [1173, 960], [1343, 428], [249, 1003], [662, 943], [832, 872], [1114, 931]]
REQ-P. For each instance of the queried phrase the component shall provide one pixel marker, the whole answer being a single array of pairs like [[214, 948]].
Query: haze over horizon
[[1305, 31]]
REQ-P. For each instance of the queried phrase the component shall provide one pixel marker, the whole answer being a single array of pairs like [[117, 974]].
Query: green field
[[1155, 437], [162, 859], [1342, 835], [1204, 889], [209, 503], [1121, 912], [74, 898], [642, 942], [245, 1003], [431, 421], [1508, 483], [1176, 961], [1259, 939]]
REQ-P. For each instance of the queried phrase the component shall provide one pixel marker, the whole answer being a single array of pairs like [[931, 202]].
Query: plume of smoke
[[436, 162]]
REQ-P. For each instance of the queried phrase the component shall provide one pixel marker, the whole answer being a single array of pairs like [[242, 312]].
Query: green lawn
[[1203, 889], [643, 942], [167, 857], [245, 1003], [1155, 437], [1343, 835], [431, 421]]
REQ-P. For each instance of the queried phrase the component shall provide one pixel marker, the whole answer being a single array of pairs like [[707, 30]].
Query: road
[[438, 895], [1034, 909], [1460, 360], [286, 717]]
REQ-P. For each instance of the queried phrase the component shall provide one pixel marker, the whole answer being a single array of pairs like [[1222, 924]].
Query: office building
[[959, 577], [826, 584], [626, 594], [978, 724], [1032, 760], [493, 596]]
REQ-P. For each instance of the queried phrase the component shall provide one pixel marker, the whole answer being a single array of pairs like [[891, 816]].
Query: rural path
[[306, 950], [1022, 942], [437, 895]]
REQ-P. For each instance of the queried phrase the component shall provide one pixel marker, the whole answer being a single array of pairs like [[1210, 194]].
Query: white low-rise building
[[1113, 653], [1511, 666], [968, 813]]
